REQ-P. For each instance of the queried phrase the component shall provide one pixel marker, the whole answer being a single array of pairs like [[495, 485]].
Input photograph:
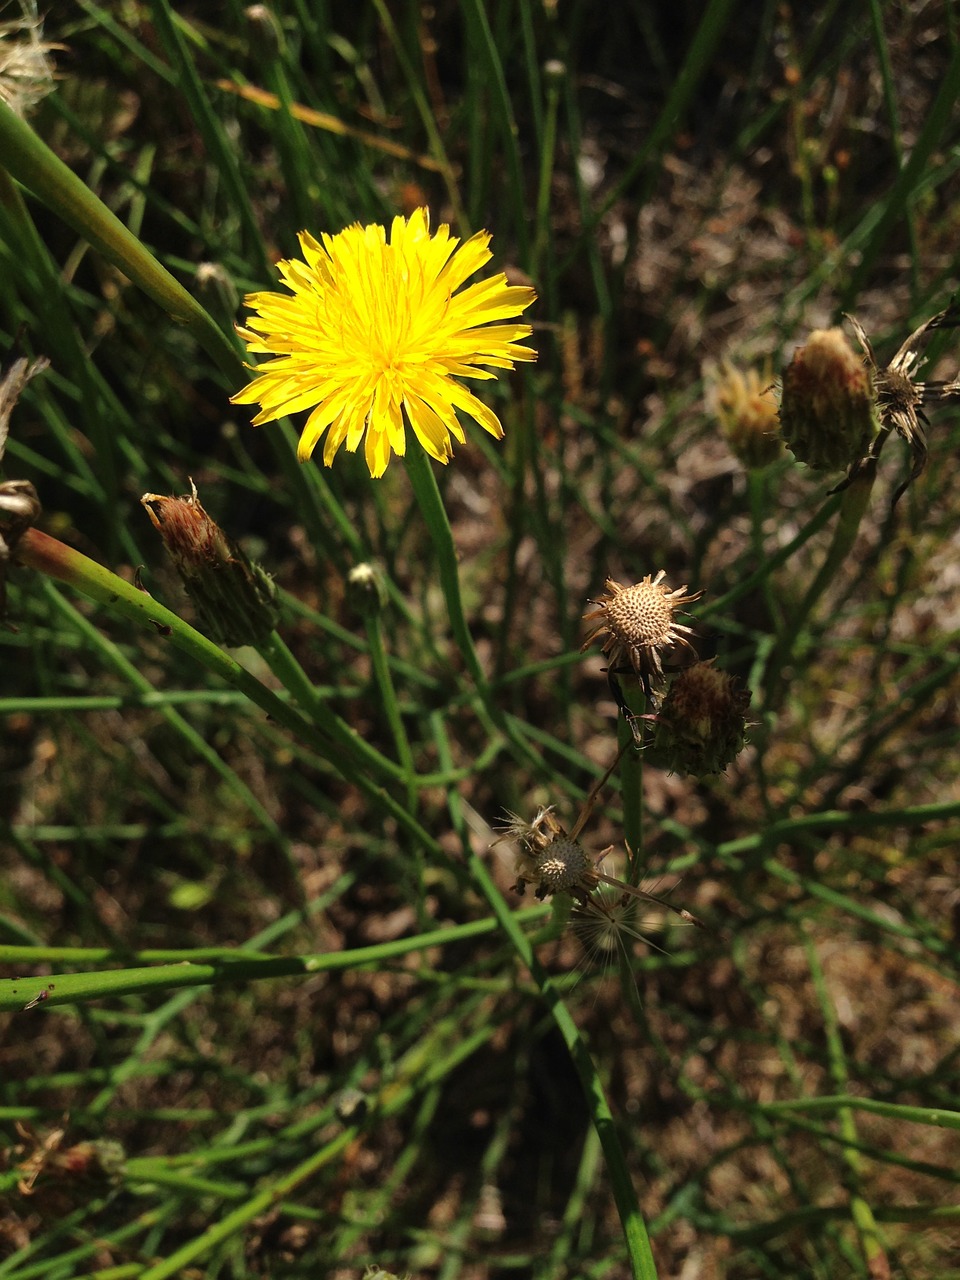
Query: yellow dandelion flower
[[376, 334]]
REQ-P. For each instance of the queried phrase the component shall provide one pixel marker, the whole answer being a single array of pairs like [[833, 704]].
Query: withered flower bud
[[235, 599], [701, 726], [745, 407], [828, 410]]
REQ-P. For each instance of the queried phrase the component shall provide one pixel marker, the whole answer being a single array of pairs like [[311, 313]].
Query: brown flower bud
[[235, 599], [701, 726], [828, 411]]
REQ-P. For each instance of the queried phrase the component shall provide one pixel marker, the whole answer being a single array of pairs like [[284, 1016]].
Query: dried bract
[[235, 598], [701, 726], [19, 504], [901, 400]]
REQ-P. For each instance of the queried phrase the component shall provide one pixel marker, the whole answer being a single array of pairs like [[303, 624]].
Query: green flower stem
[[218, 967], [637, 1240], [173, 31], [631, 781], [391, 706], [39, 551], [428, 116], [871, 1242], [32, 163], [434, 514], [114, 658], [548, 154], [760, 575], [935, 1116], [853, 504], [295, 680], [625, 1197], [852, 507], [432, 509]]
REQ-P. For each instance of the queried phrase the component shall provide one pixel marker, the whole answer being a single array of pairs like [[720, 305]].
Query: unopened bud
[[744, 405], [701, 726], [265, 29], [216, 288], [828, 408], [366, 589], [235, 599]]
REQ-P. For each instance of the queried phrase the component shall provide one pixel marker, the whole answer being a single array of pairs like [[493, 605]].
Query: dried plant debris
[[901, 399], [19, 504]]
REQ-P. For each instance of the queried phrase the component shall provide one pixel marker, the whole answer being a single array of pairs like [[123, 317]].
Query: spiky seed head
[[744, 404], [563, 866], [701, 727], [828, 410], [637, 624]]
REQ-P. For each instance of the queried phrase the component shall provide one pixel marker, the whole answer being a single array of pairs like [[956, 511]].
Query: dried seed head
[[828, 410], [902, 399], [701, 726], [236, 599], [26, 73], [637, 625], [745, 407], [562, 867], [548, 858]]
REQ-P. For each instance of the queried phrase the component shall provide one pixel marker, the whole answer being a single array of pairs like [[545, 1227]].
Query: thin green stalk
[[170, 27], [745, 586], [853, 504], [684, 85], [415, 85], [486, 51], [544, 226], [156, 1020], [631, 781], [194, 740], [868, 1233], [48, 556], [229, 967], [938, 1117], [295, 680], [434, 514], [429, 1061], [34, 165], [938, 119], [391, 706], [637, 1240]]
